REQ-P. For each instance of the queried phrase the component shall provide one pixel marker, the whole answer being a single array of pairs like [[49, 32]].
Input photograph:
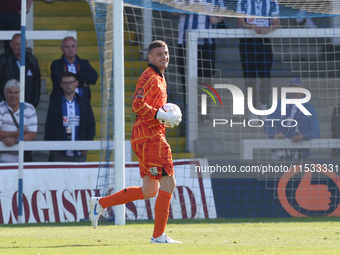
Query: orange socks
[[135, 193], [161, 212], [122, 197]]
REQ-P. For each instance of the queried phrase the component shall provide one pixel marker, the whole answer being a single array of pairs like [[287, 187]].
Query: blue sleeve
[[241, 6], [51, 124], [91, 125], [56, 72], [87, 74], [335, 122], [313, 127], [274, 9], [270, 126]]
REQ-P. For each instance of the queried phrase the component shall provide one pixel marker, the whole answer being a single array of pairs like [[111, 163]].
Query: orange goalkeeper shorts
[[153, 156]]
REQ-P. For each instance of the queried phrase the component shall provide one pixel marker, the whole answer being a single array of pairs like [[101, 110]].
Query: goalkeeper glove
[[169, 118]]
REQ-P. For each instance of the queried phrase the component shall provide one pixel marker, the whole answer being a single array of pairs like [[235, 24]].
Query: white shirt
[[264, 8], [196, 21], [71, 122], [7, 124]]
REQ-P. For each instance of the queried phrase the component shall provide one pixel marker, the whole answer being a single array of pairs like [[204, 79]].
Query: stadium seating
[[61, 15]]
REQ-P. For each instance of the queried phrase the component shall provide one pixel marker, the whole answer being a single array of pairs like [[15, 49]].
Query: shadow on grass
[[252, 220], [52, 247], [184, 221]]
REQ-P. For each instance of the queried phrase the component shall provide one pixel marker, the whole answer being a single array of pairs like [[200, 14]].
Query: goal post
[[119, 124], [299, 50]]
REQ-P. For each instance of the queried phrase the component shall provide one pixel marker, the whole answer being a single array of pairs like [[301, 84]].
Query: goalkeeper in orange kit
[[150, 145]]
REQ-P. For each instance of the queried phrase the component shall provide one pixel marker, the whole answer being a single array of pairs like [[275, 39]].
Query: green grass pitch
[[221, 236]]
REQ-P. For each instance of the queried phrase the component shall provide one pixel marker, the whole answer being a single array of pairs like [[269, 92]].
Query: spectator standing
[[70, 62], [10, 69], [69, 117], [10, 119], [335, 129], [206, 46], [256, 53], [307, 126], [10, 16]]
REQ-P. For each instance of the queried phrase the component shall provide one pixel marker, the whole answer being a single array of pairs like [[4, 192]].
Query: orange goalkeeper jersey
[[149, 96]]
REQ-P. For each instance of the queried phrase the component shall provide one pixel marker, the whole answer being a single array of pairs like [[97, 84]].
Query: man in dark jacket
[[10, 69], [70, 62], [69, 117]]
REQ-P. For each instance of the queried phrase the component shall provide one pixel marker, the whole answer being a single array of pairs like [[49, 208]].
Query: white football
[[174, 108]]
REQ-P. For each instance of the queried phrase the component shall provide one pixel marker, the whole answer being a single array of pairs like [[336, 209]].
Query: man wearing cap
[[304, 127]]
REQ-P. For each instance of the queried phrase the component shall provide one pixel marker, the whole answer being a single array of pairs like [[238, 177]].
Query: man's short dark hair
[[69, 74], [156, 44]]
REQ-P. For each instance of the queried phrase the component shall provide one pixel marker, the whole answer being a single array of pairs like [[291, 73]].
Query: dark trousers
[[61, 157], [205, 62], [257, 61], [28, 156]]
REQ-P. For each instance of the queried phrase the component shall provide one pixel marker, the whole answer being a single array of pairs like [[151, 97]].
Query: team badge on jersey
[[139, 92]]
